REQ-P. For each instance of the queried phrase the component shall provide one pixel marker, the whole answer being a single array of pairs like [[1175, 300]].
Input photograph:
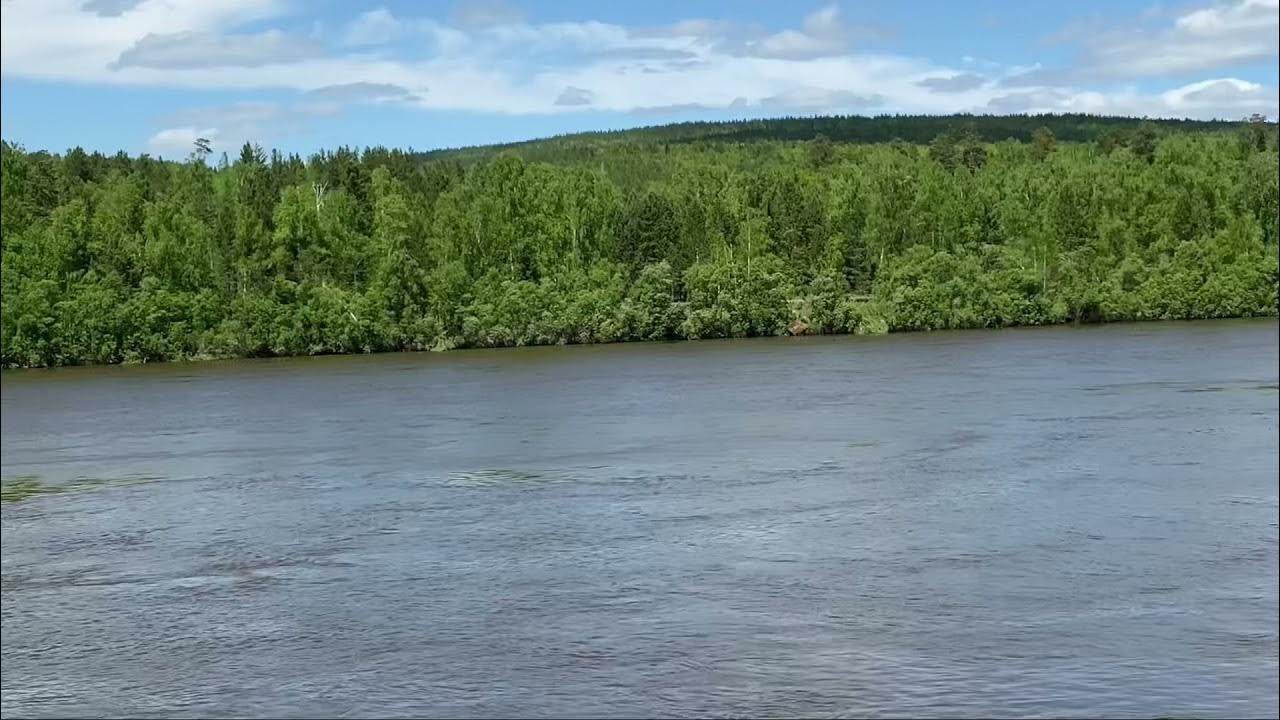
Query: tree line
[[916, 129], [124, 259]]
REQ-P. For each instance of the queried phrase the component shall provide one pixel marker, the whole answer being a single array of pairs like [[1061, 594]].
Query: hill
[[916, 129]]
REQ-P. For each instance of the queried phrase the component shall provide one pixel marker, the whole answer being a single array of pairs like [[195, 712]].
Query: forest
[[917, 129], [793, 226]]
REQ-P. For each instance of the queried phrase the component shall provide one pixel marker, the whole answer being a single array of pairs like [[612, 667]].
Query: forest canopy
[[802, 225]]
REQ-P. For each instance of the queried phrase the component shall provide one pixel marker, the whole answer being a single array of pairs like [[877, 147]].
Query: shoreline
[[207, 359]]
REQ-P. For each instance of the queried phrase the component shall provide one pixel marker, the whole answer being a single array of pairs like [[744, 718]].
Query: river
[[1031, 522]]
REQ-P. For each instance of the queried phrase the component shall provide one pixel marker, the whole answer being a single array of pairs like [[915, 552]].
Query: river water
[[1035, 522]]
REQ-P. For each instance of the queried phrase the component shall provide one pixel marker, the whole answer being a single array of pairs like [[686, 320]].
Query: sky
[[300, 75]]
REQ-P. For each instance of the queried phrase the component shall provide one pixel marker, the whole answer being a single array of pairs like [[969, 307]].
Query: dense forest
[[918, 129], [826, 225]]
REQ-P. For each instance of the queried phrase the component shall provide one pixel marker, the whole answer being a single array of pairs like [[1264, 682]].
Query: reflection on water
[[1024, 523], [23, 487]]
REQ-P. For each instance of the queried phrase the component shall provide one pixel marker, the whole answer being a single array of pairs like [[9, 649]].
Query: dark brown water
[[1066, 521]]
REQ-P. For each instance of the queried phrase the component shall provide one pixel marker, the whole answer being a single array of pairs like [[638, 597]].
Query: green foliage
[[650, 310], [584, 148], [757, 228], [649, 231], [1143, 141], [738, 297], [1043, 143]]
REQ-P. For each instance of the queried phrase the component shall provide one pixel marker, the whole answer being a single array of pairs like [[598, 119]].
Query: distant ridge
[[916, 129]]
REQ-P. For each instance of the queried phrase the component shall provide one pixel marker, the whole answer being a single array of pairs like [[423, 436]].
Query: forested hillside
[[662, 234], [919, 129]]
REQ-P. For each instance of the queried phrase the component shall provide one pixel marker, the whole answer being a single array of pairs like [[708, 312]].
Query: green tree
[[1143, 142], [1043, 143], [697, 230], [649, 229]]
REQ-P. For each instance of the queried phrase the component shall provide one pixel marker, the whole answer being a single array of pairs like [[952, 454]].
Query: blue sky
[[152, 75]]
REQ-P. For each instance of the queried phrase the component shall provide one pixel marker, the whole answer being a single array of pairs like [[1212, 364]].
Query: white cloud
[[581, 37], [795, 44], [241, 113], [492, 60], [61, 40], [228, 127], [953, 83], [1226, 34], [1022, 101], [375, 27], [1228, 20], [814, 99], [178, 142], [574, 96], [1226, 98], [475, 14], [110, 8], [186, 50], [1221, 95], [824, 34], [380, 28], [361, 92], [505, 65]]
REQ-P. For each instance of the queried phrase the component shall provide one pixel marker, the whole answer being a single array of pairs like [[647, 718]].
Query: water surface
[[1038, 522]]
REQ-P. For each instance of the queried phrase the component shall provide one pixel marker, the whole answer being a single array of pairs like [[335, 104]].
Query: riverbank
[[857, 317]]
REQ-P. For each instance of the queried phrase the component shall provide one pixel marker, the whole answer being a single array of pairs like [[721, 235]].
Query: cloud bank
[[487, 57]]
